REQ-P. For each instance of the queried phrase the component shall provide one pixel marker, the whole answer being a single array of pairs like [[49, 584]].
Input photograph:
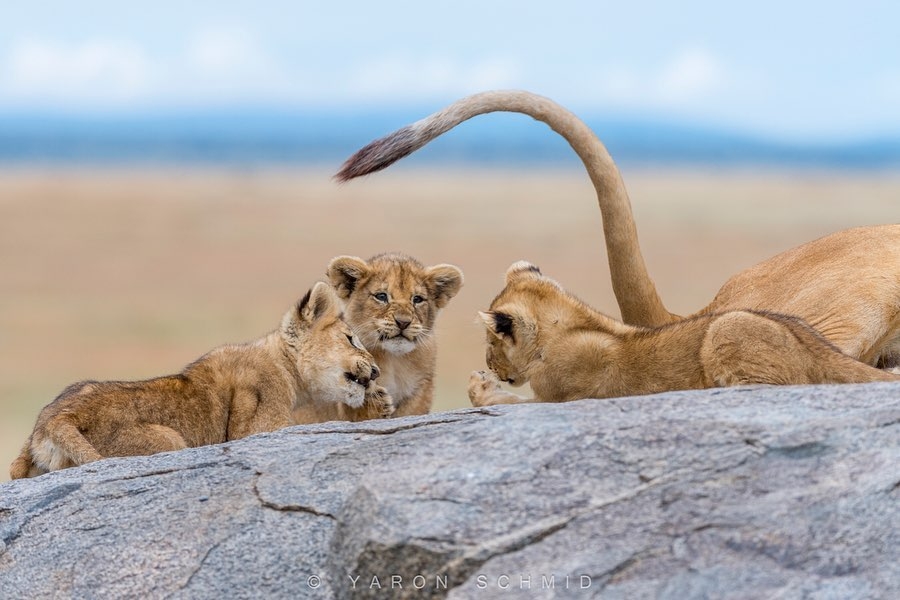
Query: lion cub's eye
[[418, 299], [381, 297]]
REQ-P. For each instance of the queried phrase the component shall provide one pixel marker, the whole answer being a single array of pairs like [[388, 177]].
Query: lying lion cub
[[232, 392], [539, 333], [392, 301]]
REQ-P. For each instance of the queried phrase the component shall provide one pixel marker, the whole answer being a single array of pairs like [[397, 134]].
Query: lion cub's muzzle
[[395, 333], [364, 376]]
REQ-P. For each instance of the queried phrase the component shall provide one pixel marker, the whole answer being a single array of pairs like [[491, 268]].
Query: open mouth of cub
[[363, 381]]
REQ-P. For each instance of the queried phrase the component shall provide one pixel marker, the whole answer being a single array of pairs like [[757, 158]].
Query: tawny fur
[[846, 285], [539, 334], [312, 360], [392, 301]]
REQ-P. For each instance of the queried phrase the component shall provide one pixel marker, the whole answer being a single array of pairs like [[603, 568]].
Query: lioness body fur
[[846, 285], [391, 302], [539, 334], [229, 393]]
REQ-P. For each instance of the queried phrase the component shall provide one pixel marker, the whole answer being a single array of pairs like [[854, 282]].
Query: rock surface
[[735, 493]]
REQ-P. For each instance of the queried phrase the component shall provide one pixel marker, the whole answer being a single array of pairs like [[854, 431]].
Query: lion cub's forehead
[[396, 273], [529, 292]]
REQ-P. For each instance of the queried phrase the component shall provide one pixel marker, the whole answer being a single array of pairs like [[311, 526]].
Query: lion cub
[[391, 302], [538, 333], [231, 392]]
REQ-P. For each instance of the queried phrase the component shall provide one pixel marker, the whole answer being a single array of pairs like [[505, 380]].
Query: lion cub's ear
[[520, 269], [445, 281], [500, 324], [344, 272], [320, 301]]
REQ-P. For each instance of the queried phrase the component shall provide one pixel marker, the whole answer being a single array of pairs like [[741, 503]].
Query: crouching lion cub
[[231, 392], [539, 333], [391, 302]]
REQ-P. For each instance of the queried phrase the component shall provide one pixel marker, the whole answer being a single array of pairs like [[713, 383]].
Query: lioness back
[[391, 302]]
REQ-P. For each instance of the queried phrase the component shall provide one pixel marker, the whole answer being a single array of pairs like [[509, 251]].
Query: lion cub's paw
[[379, 403], [482, 385]]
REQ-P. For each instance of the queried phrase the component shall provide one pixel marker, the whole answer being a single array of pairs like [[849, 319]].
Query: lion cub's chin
[[346, 392], [355, 397], [398, 345]]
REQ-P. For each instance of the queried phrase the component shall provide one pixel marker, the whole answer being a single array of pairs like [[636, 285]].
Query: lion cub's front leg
[[378, 404], [485, 390]]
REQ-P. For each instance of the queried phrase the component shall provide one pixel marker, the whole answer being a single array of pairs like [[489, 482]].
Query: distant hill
[[256, 137]]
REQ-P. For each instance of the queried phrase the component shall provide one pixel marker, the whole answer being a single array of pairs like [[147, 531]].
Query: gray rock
[[733, 493]]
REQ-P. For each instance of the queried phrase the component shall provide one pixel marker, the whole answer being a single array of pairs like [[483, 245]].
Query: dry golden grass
[[130, 274]]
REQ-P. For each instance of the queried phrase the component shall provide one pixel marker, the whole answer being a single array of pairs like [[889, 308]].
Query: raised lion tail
[[389, 149]]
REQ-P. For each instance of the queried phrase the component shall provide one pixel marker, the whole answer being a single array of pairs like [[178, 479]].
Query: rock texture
[[734, 493]]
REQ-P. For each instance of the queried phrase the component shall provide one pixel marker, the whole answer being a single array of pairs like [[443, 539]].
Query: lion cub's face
[[501, 353], [392, 300], [330, 358], [509, 345], [512, 324]]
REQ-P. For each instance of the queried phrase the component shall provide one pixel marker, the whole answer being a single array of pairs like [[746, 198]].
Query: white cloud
[[223, 65], [690, 79], [231, 64], [413, 78], [98, 70], [214, 65], [693, 74], [228, 54]]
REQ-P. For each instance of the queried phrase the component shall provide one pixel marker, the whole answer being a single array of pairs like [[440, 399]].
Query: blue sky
[[788, 70]]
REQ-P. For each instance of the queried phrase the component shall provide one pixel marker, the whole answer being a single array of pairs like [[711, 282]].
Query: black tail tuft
[[380, 154]]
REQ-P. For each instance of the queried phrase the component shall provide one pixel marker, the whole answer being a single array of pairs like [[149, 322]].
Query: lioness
[[846, 285], [232, 392], [538, 333], [391, 302]]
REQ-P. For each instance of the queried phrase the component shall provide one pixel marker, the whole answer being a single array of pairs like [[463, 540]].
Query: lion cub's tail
[[22, 466]]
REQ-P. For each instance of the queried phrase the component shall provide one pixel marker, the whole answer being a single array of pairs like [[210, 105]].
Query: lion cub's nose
[[375, 372], [402, 321]]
